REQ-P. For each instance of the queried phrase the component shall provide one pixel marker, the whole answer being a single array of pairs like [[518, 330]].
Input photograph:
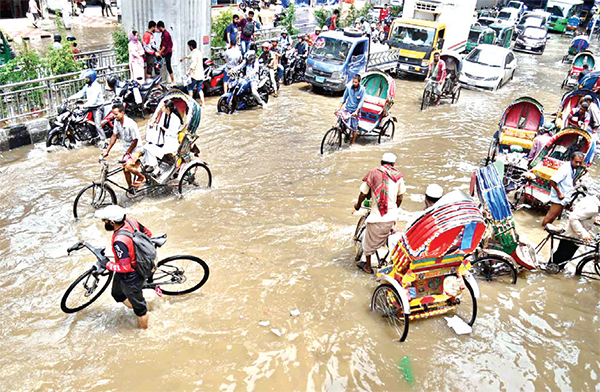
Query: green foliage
[[25, 66], [59, 25], [321, 16], [61, 61], [219, 24], [354, 15], [121, 44], [395, 10], [289, 20]]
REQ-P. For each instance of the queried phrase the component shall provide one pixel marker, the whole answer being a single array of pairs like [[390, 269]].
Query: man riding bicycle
[[354, 98], [386, 187], [127, 282], [436, 76]]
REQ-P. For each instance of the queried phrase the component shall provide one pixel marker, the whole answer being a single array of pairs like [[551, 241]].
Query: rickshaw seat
[[520, 137]]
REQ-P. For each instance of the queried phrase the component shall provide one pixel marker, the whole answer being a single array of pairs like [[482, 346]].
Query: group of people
[[146, 54]]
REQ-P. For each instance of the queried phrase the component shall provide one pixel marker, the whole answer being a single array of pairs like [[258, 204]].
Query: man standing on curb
[[149, 48], [166, 48]]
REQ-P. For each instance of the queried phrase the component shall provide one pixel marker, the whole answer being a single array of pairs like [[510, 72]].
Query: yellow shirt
[[197, 65]]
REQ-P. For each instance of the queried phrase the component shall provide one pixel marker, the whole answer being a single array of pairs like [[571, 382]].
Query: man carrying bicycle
[[354, 98], [436, 76], [127, 282], [386, 187]]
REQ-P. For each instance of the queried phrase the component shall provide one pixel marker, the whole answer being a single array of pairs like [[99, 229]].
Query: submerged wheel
[[491, 157], [332, 141], [493, 268], [361, 226], [387, 132], [466, 304], [56, 139], [456, 95], [588, 267], [196, 176], [386, 303], [178, 275], [425, 100], [85, 290], [223, 106], [92, 198]]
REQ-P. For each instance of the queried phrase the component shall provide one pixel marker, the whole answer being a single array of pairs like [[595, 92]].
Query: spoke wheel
[[456, 95], [387, 132], [178, 275], [358, 247], [490, 268], [92, 198], [589, 267], [85, 290], [196, 176], [332, 141], [466, 304], [425, 100], [387, 304]]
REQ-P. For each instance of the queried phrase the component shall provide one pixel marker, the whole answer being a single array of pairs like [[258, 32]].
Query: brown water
[[276, 231]]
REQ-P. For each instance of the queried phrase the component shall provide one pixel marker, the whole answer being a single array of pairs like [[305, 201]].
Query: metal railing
[[41, 97], [98, 58]]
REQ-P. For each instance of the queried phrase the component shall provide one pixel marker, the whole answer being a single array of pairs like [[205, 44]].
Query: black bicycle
[[175, 275], [588, 262]]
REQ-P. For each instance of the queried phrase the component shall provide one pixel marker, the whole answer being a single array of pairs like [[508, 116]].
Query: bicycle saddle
[[159, 240], [550, 228]]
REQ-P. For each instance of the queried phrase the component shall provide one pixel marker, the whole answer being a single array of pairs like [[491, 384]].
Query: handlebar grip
[[75, 247]]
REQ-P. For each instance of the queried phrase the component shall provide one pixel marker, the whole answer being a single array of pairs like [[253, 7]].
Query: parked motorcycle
[[76, 124], [213, 78], [252, 4], [138, 98], [240, 95]]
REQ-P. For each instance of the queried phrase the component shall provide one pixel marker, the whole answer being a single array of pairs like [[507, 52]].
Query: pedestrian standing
[[105, 4], [150, 48], [247, 28], [34, 10], [233, 57], [231, 32], [136, 57], [166, 48], [196, 70]]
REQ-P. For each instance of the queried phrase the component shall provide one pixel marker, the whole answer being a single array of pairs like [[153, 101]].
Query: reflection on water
[[276, 231]]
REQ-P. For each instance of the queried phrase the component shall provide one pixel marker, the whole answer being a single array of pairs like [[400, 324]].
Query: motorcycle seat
[[218, 71], [149, 83]]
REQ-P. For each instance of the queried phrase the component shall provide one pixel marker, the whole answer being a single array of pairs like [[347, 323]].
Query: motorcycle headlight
[[337, 75], [425, 63]]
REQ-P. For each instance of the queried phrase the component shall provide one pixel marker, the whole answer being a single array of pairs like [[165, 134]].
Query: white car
[[510, 15], [518, 5], [488, 67]]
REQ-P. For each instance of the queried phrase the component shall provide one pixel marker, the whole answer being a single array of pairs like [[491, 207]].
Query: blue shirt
[[353, 98], [232, 31]]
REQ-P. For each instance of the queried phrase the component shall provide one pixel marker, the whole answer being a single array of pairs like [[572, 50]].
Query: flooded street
[[276, 230]]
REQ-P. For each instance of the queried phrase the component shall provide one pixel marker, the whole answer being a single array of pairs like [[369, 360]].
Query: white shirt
[[128, 132], [366, 27], [581, 220], [197, 65], [233, 56], [394, 189], [564, 180], [94, 96]]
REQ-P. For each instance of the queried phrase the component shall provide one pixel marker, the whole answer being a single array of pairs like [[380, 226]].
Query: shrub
[[121, 43], [289, 20], [219, 25]]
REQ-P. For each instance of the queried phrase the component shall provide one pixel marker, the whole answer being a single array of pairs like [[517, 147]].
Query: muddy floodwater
[[276, 230]]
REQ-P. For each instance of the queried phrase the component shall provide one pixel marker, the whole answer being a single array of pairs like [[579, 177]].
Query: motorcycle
[[213, 78], [76, 124], [140, 98], [252, 4], [240, 95], [294, 69]]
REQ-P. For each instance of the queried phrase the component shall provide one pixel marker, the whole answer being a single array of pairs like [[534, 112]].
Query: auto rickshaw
[[430, 275], [480, 35], [504, 33]]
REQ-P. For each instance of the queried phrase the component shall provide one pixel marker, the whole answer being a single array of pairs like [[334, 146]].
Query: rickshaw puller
[[354, 98]]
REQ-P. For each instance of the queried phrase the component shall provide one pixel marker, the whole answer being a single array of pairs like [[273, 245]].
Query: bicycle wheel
[[456, 95], [91, 198], [332, 141], [386, 303], [466, 305], [358, 248], [85, 290], [425, 100], [387, 132], [178, 275], [494, 268], [196, 176], [589, 267]]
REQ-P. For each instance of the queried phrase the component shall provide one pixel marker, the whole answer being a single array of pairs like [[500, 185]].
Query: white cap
[[434, 191], [388, 157], [113, 213]]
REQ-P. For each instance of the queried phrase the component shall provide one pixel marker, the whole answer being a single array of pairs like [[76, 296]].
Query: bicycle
[[583, 259], [359, 235], [172, 271]]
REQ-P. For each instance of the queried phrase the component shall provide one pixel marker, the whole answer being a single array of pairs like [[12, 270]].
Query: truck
[[429, 26]]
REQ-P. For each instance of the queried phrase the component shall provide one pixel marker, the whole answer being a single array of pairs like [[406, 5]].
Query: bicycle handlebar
[[98, 252]]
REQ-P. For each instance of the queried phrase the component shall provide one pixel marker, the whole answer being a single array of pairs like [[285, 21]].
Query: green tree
[[121, 44], [219, 25], [321, 16], [61, 61], [27, 65], [289, 20]]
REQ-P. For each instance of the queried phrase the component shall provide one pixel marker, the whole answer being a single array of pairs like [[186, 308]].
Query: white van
[[510, 15]]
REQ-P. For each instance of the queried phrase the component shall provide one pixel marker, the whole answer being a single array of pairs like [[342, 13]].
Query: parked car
[[532, 40], [488, 67], [509, 15], [486, 21], [517, 5], [530, 19]]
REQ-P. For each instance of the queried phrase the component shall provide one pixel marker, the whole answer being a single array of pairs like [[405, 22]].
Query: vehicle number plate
[[320, 79], [404, 67], [528, 47]]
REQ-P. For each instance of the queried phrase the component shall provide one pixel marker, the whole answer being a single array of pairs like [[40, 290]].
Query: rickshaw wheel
[[196, 176], [387, 132], [582, 264], [332, 141], [466, 305], [492, 151], [386, 302], [358, 248], [91, 198], [493, 268], [425, 100], [456, 95]]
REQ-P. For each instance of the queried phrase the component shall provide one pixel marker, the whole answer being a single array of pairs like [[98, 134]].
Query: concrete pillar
[[184, 19]]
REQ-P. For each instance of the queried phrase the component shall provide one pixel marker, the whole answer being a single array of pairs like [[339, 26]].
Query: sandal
[[361, 266]]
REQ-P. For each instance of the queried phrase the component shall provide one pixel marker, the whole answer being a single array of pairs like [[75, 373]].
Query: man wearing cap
[[562, 182], [543, 137], [433, 193], [385, 186], [127, 282]]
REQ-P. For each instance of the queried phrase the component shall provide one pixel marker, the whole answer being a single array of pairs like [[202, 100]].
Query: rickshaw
[[536, 191], [501, 254], [568, 102], [451, 87], [584, 57], [430, 274], [590, 81], [480, 35], [182, 170], [573, 24], [579, 44], [374, 119]]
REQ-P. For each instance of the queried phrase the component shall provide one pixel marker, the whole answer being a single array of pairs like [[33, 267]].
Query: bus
[[561, 11]]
